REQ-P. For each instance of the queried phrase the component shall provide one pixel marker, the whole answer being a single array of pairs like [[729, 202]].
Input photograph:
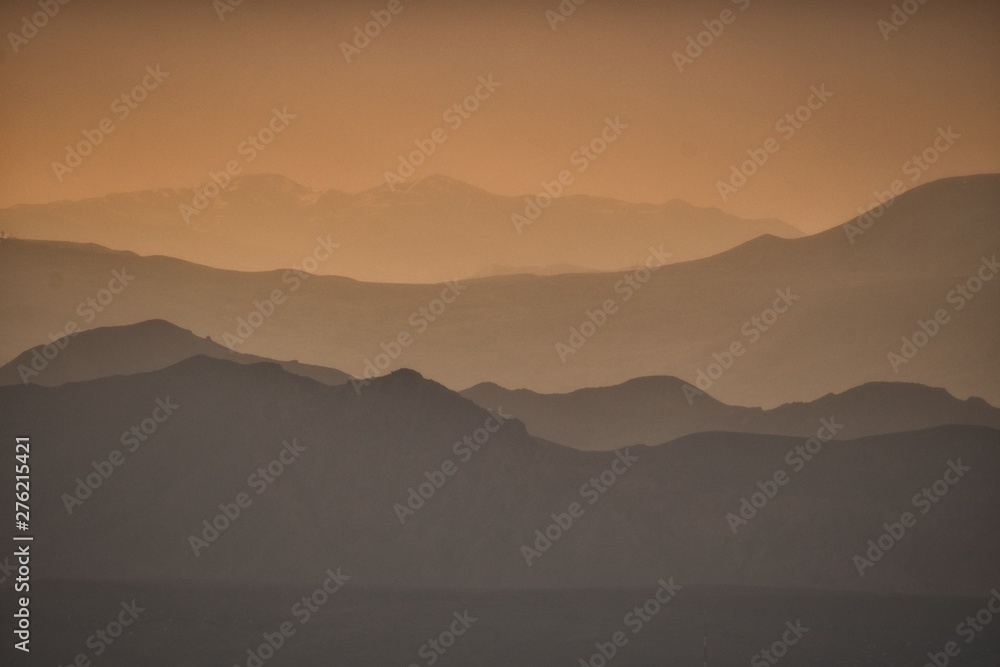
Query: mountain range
[[431, 230], [135, 348], [850, 302], [647, 410], [651, 410], [350, 461]]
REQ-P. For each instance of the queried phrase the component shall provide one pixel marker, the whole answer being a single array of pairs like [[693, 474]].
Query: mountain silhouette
[[658, 409], [351, 458], [850, 305], [129, 349], [431, 230]]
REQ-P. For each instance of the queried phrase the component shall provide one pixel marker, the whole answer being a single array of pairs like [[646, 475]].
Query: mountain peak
[[405, 375], [142, 347], [268, 181], [442, 183], [439, 185]]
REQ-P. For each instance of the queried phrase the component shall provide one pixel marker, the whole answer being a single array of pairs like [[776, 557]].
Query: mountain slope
[[657, 409], [851, 305], [351, 458], [125, 350], [432, 230]]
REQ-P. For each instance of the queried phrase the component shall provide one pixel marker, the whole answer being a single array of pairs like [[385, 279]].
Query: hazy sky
[[609, 59]]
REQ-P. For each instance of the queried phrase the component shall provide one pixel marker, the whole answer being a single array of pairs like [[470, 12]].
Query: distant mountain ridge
[[126, 350], [647, 410], [657, 409], [850, 304], [430, 230]]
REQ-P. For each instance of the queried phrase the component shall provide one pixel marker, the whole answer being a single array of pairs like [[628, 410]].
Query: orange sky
[[686, 129]]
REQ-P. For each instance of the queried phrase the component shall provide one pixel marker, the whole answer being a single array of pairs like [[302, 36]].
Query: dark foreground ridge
[[248, 474]]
